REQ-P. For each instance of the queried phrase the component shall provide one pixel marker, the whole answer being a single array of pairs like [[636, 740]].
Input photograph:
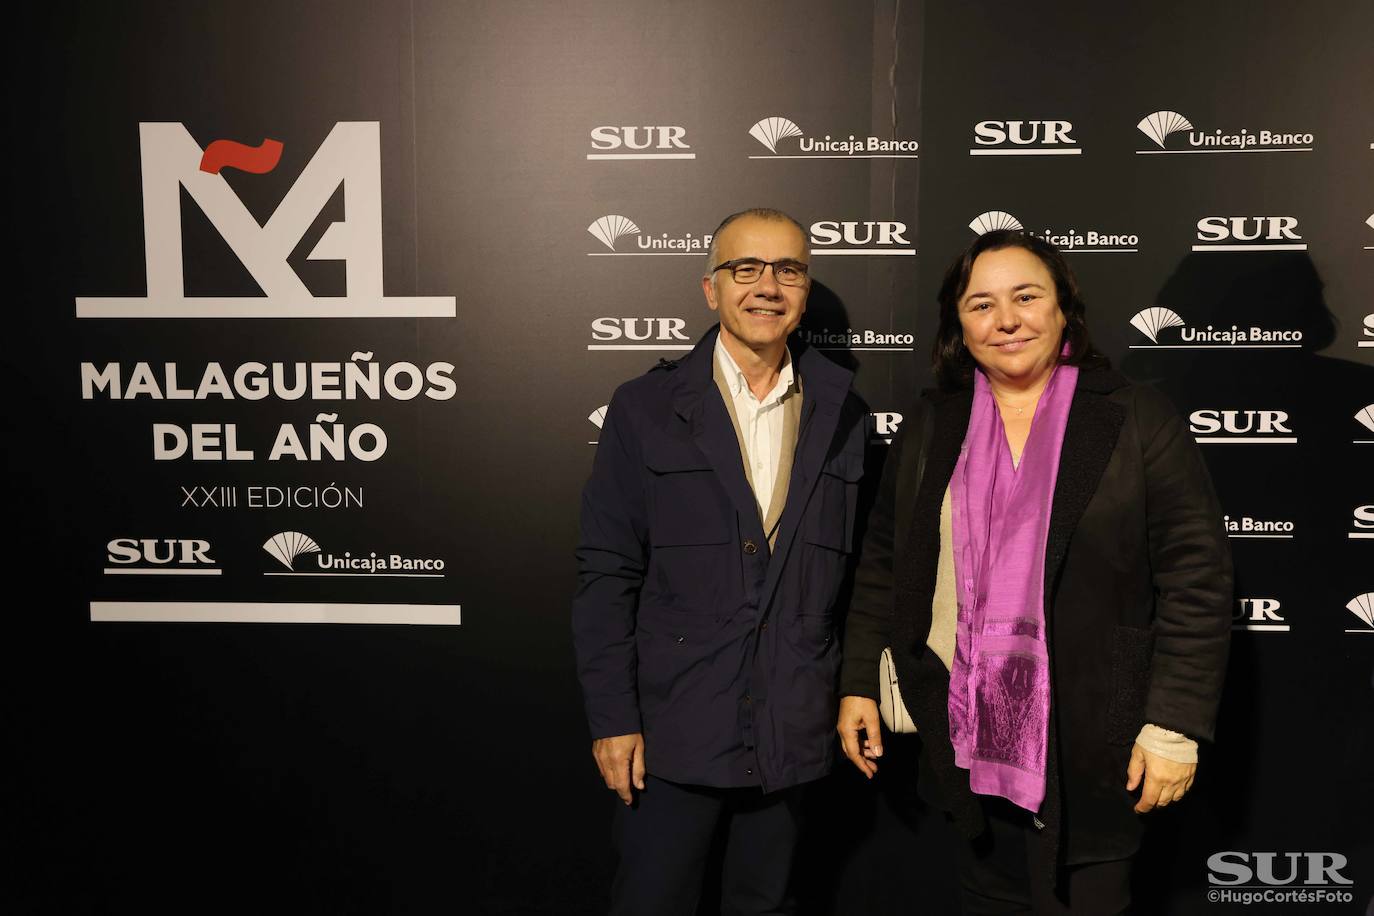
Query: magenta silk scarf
[[999, 684]]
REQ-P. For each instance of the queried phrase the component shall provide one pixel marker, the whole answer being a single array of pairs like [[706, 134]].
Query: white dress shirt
[[760, 422]]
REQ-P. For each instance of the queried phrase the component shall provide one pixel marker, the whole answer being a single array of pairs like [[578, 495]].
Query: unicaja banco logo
[[1157, 319], [1362, 606], [772, 131], [1159, 126], [993, 220], [288, 545], [1365, 417], [1084, 240], [349, 156], [610, 229]]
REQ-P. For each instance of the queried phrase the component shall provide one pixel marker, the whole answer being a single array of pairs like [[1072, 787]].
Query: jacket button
[[749, 771], [764, 625], [681, 640], [751, 548]]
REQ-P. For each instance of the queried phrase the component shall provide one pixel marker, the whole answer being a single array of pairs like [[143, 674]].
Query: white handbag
[[890, 704]]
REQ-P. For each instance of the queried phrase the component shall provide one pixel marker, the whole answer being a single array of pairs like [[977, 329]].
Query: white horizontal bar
[[258, 307], [1250, 440], [863, 251], [1179, 152], [1215, 347], [1025, 152], [844, 156], [272, 612], [363, 575], [641, 155], [1273, 627], [639, 346], [1302, 247], [642, 254], [148, 571]]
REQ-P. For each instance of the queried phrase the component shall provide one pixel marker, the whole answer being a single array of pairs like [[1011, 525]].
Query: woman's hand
[[1166, 780], [859, 716]]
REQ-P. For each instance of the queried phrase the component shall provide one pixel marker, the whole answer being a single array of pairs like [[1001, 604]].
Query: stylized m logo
[[350, 155]]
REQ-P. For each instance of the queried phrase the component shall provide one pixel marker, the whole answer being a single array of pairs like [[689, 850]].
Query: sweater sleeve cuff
[[1169, 745]]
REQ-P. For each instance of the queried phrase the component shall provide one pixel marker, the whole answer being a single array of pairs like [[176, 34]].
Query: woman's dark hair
[[951, 360]]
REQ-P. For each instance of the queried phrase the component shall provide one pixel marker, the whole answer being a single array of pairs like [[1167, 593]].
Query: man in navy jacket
[[717, 529]]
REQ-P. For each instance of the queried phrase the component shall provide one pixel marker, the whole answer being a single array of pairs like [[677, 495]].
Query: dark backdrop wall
[[299, 426]]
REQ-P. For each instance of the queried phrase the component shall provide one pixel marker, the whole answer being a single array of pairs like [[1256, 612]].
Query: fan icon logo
[[1365, 417], [597, 418], [772, 131], [1156, 319], [1362, 606], [1159, 126], [288, 545]]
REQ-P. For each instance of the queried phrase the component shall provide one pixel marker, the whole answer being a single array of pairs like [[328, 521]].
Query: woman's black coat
[[1137, 602]]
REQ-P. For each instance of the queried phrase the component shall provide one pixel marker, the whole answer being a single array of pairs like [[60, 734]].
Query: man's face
[[761, 314]]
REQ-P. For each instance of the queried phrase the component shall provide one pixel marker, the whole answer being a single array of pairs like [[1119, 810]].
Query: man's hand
[[860, 715], [621, 761], [1166, 781]]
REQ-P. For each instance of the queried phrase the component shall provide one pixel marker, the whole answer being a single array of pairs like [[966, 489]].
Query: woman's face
[[1012, 322]]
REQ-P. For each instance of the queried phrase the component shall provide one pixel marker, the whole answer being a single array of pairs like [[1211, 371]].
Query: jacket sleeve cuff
[[859, 678], [612, 716]]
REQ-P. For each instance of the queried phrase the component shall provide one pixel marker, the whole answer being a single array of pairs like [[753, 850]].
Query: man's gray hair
[[767, 213]]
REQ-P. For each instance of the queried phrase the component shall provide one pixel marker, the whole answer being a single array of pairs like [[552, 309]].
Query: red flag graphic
[[258, 159]]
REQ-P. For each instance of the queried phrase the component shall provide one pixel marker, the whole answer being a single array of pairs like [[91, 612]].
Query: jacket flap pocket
[[848, 466], [674, 457]]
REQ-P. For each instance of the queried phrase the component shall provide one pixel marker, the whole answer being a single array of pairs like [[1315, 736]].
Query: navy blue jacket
[[685, 627]]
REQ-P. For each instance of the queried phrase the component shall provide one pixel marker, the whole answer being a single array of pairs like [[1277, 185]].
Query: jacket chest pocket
[[830, 520], [687, 504]]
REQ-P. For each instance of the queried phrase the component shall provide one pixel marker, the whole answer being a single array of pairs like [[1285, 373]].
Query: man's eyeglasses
[[749, 270]]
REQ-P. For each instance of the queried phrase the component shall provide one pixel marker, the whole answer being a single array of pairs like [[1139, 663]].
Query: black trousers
[[666, 842], [1006, 870]]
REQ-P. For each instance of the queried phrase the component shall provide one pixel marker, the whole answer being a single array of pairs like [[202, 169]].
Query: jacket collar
[[822, 380]]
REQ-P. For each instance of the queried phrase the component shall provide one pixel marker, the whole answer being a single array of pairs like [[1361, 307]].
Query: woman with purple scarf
[[1046, 587]]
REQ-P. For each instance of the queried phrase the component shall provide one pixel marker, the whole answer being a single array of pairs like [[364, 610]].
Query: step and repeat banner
[[320, 307]]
